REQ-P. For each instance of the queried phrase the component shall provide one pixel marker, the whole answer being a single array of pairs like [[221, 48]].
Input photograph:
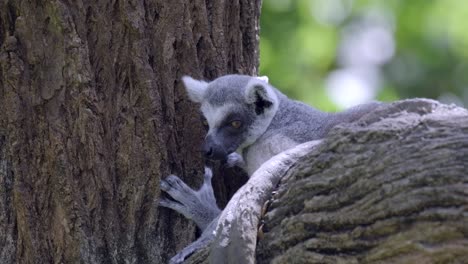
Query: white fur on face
[[215, 114], [259, 126], [256, 130]]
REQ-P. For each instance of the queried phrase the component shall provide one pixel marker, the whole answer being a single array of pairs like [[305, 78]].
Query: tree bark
[[391, 188], [93, 115]]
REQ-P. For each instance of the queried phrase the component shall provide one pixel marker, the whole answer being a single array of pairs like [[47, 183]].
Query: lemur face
[[228, 128], [237, 110]]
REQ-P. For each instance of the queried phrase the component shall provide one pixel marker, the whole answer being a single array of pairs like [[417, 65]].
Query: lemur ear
[[263, 78], [259, 93], [195, 89]]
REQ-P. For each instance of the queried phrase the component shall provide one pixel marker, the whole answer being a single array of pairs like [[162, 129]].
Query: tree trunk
[[93, 114]]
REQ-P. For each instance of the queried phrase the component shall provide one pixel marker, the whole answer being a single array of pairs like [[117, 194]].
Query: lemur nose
[[208, 151]]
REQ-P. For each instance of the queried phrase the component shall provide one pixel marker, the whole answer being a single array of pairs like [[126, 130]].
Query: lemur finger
[[234, 159], [164, 202], [164, 185], [208, 175], [173, 182], [177, 189], [180, 208]]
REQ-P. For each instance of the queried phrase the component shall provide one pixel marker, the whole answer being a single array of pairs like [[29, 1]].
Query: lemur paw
[[234, 159], [200, 205], [177, 189], [164, 202], [208, 175]]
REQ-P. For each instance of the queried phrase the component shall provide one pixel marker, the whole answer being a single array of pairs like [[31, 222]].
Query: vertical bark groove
[[92, 115]]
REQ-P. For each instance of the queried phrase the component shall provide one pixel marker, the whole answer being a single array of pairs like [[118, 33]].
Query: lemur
[[249, 122]]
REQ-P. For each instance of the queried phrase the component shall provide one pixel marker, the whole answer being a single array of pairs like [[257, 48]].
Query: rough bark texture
[[237, 228], [93, 114], [391, 188]]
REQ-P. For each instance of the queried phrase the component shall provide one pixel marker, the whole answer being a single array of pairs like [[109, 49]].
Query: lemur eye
[[236, 124], [204, 121]]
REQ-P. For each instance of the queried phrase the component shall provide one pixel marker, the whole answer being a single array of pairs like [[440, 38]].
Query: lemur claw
[[200, 206]]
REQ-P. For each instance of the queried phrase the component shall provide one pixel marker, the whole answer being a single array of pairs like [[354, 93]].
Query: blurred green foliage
[[300, 42]]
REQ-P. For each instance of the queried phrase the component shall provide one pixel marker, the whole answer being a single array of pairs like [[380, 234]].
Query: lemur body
[[269, 121], [249, 122]]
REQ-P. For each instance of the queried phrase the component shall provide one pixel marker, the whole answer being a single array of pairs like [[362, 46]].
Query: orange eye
[[236, 124]]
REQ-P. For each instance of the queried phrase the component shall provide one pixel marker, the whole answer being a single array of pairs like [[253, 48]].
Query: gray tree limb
[[236, 232]]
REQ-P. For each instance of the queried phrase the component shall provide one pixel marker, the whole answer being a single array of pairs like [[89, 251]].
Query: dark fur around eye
[[204, 121]]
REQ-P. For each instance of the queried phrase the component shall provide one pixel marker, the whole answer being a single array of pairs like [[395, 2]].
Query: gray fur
[[228, 86], [205, 239], [271, 123], [200, 206], [302, 123], [296, 123], [289, 122]]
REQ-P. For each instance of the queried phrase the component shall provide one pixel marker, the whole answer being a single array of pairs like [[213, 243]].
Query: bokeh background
[[337, 53]]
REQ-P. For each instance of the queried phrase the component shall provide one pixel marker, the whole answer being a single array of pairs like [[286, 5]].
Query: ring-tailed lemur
[[249, 122]]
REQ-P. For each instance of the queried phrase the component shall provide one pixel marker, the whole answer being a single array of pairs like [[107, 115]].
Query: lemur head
[[238, 109]]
